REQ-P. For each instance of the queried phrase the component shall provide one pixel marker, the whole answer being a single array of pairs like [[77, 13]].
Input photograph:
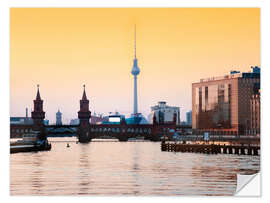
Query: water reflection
[[136, 169], [84, 177], [116, 168], [36, 178]]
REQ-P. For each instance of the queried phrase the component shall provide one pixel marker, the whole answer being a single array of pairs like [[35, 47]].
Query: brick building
[[221, 105], [255, 105]]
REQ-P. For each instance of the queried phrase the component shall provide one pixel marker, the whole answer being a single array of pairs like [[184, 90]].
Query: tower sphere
[[135, 70]]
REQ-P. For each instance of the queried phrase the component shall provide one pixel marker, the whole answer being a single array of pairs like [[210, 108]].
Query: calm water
[[124, 168]]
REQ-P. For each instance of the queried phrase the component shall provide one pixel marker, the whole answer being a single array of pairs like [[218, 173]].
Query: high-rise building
[[165, 113], [58, 118], [189, 118], [221, 105]]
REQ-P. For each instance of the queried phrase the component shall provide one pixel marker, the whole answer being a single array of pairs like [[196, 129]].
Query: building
[[58, 118], [184, 123], [115, 118], [255, 105], [138, 119], [189, 118], [150, 118], [165, 113], [46, 122], [22, 120], [75, 121], [221, 105], [95, 119]]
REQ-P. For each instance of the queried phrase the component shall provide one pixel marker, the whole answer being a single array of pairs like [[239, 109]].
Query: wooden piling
[[242, 150], [249, 151], [230, 149], [210, 148], [255, 151], [236, 150]]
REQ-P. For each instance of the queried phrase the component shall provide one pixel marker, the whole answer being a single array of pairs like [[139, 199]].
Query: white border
[[136, 3], [4, 12]]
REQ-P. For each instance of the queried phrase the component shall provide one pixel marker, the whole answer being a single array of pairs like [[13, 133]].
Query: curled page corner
[[248, 185]]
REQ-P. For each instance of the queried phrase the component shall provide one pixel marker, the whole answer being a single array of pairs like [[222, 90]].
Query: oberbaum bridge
[[86, 131]]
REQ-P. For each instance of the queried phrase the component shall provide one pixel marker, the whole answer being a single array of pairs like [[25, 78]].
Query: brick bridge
[[86, 131]]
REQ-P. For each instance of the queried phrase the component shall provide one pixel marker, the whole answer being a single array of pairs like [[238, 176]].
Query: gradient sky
[[63, 48]]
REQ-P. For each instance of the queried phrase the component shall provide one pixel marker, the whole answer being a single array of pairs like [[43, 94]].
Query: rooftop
[[236, 74]]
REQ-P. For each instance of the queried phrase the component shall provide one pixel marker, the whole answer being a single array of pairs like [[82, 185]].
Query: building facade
[[255, 109], [189, 118], [221, 105], [165, 113]]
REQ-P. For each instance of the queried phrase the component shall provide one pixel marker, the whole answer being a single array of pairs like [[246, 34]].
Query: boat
[[137, 139], [30, 143]]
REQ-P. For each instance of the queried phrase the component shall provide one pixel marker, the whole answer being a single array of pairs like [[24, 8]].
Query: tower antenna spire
[[135, 41], [38, 94], [84, 94]]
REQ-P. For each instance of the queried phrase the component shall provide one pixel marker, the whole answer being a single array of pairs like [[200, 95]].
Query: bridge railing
[[217, 137]]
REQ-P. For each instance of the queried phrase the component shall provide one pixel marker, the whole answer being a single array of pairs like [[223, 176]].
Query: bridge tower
[[38, 114], [84, 115], [154, 120]]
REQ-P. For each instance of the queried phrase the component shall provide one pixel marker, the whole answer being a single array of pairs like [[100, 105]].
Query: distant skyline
[[63, 48]]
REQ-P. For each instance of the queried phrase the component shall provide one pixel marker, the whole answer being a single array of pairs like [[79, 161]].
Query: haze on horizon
[[63, 48]]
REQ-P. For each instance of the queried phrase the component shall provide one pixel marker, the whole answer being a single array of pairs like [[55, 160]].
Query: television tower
[[135, 71]]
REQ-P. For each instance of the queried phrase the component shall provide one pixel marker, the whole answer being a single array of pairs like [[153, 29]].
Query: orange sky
[[63, 48]]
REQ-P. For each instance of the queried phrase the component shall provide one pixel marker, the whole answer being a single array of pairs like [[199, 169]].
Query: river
[[124, 168]]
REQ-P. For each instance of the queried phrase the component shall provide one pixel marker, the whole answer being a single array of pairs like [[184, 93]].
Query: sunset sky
[[63, 48]]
